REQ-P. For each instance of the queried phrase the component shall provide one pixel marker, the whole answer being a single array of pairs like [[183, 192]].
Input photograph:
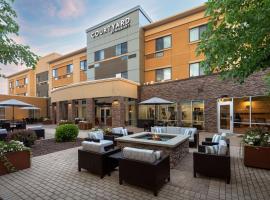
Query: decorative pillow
[[223, 136], [98, 135], [158, 154], [117, 130], [216, 138], [222, 148], [124, 132], [144, 155], [93, 146], [211, 149]]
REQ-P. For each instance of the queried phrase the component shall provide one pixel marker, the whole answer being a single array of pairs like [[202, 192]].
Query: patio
[[55, 176]]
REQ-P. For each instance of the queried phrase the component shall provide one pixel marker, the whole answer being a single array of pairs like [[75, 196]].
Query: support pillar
[[90, 111], [71, 110], [58, 112], [118, 112]]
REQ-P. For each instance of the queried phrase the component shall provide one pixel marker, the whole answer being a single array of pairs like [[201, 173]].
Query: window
[[17, 83], [195, 34], [163, 43], [69, 69], [121, 49], [99, 55], [55, 73], [2, 113], [124, 75], [10, 85], [25, 81], [195, 69], [163, 74], [83, 65]]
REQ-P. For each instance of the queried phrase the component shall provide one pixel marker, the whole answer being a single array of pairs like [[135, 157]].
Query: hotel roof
[[69, 54], [176, 17], [19, 72], [120, 16]]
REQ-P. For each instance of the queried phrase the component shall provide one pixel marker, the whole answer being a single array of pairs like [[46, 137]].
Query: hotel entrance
[[225, 117], [105, 116]]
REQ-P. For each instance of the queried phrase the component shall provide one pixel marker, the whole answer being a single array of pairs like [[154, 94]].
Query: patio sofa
[[120, 131], [39, 131], [215, 140], [144, 168], [213, 161], [94, 157], [191, 132]]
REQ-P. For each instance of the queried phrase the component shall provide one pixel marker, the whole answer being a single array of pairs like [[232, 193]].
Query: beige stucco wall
[[94, 89]]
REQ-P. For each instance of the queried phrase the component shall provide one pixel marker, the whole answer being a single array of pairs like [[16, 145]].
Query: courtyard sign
[[112, 28]]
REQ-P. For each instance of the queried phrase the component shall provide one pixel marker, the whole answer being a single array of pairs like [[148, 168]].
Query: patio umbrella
[[14, 103], [156, 101], [31, 108]]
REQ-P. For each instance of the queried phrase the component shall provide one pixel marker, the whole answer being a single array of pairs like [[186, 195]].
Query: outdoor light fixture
[[115, 102]]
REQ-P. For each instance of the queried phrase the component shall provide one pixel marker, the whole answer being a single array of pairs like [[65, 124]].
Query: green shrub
[[62, 122], [66, 133], [28, 137]]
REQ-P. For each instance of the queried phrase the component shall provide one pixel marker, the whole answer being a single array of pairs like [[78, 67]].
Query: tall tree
[[237, 42], [10, 51]]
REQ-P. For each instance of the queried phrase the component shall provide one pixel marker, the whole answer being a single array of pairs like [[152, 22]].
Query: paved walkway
[[55, 176]]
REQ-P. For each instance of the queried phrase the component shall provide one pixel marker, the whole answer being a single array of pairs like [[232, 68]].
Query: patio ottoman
[[39, 130], [3, 134]]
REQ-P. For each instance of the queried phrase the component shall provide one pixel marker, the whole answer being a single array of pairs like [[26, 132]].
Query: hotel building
[[129, 58]]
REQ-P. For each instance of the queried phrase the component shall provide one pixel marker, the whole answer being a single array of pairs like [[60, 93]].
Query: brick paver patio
[[55, 176]]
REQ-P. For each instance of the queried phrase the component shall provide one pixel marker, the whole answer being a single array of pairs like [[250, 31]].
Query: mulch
[[43, 147]]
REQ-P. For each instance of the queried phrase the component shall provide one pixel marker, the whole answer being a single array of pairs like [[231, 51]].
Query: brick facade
[[208, 88], [90, 111], [118, 112]]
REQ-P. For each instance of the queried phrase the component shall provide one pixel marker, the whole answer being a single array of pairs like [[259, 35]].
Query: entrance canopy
[[156, 101]]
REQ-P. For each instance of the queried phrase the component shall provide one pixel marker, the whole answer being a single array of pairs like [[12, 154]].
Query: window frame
[[199, 69], [69, 69], [97, 55], [162, 69], [84, 65], [163, 46], [55, 73], [199, 32]]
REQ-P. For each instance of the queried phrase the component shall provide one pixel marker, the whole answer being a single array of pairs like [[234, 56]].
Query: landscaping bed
[[43, 147]]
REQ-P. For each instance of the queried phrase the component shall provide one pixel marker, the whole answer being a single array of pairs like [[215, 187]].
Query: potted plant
[[257, 148], [14, 156]]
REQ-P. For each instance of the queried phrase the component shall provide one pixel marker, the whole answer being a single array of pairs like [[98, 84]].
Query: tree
[[237, 41], [10, 51]]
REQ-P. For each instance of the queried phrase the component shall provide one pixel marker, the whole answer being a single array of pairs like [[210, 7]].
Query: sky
[[59, 25]]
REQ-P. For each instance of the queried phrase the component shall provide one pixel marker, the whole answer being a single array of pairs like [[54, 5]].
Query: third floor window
[[69, 69], [83, 65], [55, 73], [25, 81], [121, 49], [99, 55], [195, 34], [195, 69], [163, 74], [163, 43]]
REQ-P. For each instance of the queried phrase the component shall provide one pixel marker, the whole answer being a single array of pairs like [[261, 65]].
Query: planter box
[[20, 160], [257, 156], [85, 125]]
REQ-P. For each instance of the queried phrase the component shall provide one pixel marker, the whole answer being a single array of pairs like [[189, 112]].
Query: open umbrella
[[156, 101], [14, 103], [31, 108]]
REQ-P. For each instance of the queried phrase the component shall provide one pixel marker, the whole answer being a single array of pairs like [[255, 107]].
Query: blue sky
[[59, 25]]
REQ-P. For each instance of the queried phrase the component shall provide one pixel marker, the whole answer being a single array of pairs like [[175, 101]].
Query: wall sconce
[[115, 102]]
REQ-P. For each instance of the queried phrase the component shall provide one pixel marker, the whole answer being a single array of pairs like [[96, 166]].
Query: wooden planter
[[255, 156], [46, 122], [85, 125], [20, 160]]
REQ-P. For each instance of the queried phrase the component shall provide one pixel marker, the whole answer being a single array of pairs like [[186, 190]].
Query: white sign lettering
[[112, 28]]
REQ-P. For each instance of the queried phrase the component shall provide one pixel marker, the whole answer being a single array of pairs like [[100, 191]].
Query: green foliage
[[11, 146], [237, 41], [28, 137], [10, 51], [66, 133], [257, 137], [62, 122]]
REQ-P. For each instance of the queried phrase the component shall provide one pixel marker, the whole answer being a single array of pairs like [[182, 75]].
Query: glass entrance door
[[225, 117], [105, 116]]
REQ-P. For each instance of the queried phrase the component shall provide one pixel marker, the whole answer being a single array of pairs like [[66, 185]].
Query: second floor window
[[163, 43], [83, 65], [17, 83], [10, 85], [121, 49], [99, 55], [195, 69], [195, 34], [55, 73], [25, 81], [69, 69], [163, 74]]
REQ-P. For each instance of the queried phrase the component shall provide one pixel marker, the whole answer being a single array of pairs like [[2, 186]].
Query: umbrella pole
[[155, 120], [13, 113]]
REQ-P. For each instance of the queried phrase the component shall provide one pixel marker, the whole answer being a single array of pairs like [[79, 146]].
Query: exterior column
[[71, 110], [58, 112], [52, 112], [118, 112], [90, 111]]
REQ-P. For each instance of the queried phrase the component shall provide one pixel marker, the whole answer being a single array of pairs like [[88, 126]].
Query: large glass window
[[17, 83], [26, 81], [69, 69], [192, 113], [121, 49], [241, 115], [260, 111], [163, 43], [83, 65], [99, 55], [146, 112], [163, 74], [167, 114], [195, 34], [2, 113], [55, 73], [195, 69]]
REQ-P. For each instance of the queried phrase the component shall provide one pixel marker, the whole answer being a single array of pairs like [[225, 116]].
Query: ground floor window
[[2, 113], [131, 112], [192, 113]]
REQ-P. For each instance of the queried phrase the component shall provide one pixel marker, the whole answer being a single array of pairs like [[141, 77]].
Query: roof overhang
[[96, 89]]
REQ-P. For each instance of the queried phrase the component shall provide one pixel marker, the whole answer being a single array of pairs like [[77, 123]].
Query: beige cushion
[[144, 155], [96, 135], [222, 148], [117, 130], [96, 146], [3, 131], [35, 128]]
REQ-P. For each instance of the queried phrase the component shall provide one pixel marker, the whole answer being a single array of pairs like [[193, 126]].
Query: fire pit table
[[176, 145]]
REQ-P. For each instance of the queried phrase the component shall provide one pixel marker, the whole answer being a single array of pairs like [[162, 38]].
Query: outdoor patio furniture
[[84, 125], [5, 125], [191, 132], [94, 158], [3, 134], [39, 131], [120, 131], [213, 165], [215, 139], [146, 171]]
